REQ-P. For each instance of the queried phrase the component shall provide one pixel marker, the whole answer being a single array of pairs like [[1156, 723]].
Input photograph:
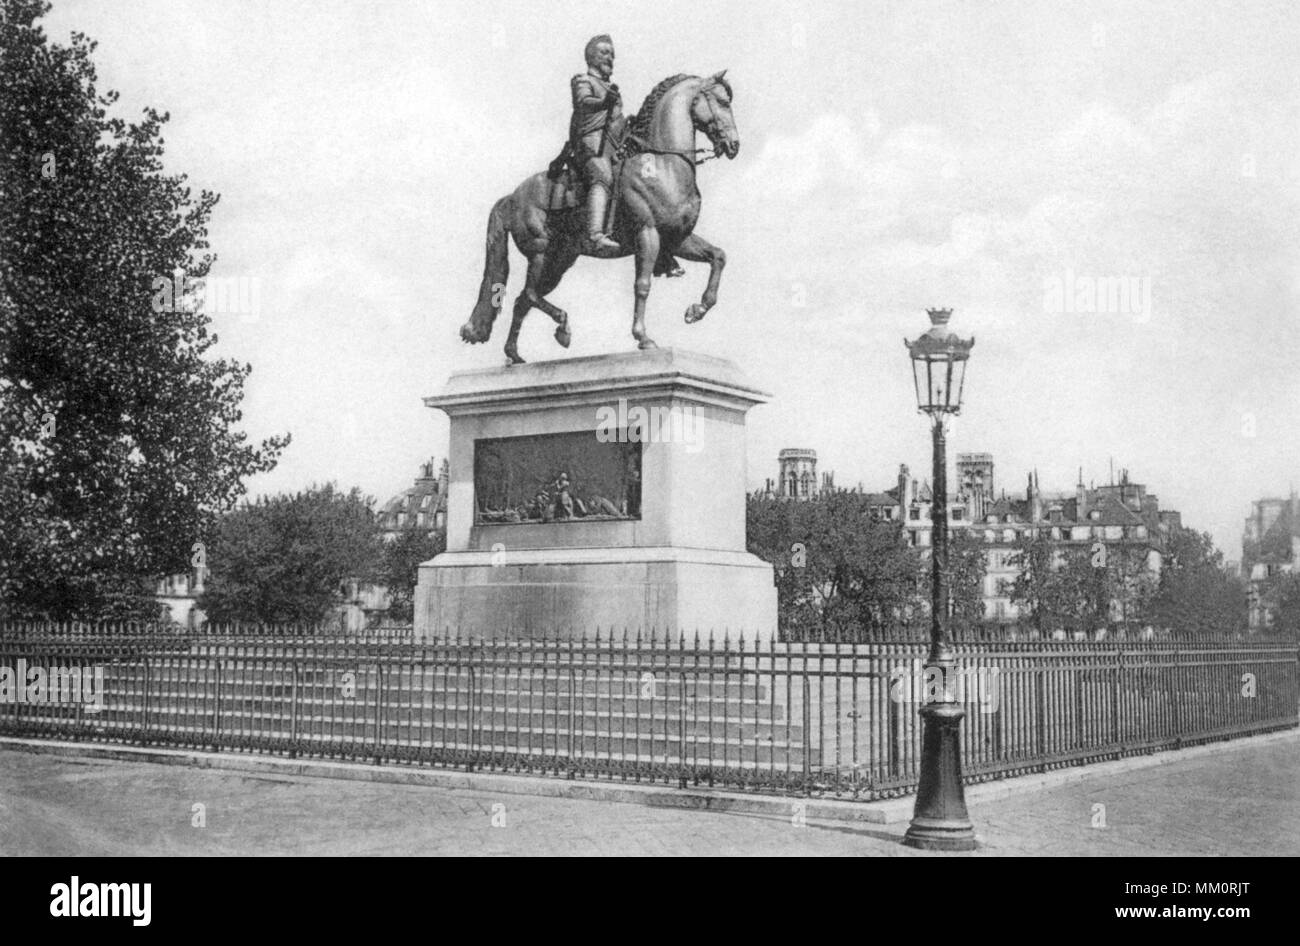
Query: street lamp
[[940, 821]]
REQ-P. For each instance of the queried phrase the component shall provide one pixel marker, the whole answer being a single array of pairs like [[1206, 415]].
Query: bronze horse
[[657, 201]]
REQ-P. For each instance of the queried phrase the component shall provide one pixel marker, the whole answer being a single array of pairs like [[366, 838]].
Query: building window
[[424, 503], [957, 515], [915, 513]]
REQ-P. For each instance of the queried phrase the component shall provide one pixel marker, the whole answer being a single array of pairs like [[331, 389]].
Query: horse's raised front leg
[[647, 253], [532, 298], [559, 259], [699, 250]]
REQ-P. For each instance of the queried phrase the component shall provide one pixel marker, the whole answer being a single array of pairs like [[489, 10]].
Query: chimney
[[1081, 497]]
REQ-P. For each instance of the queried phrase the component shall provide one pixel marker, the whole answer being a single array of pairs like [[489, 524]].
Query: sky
[[993, 158]]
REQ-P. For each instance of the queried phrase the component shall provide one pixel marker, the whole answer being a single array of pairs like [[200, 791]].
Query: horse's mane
[[640, 123]]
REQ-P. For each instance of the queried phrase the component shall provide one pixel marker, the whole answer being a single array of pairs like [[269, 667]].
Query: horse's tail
[[496, 269]]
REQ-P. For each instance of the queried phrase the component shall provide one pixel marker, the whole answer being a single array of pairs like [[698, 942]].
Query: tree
[[285, 560], [1196, 595], [1080, 588], [399, 566], [1034, 590], [117, 425], [839, 574], [967, 567], [1281, 599]]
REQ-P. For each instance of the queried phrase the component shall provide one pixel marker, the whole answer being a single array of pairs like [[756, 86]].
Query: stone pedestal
[[594, 494]]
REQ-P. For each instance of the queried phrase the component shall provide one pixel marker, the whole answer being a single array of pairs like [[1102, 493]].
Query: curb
[[661, 796], [892, 811]]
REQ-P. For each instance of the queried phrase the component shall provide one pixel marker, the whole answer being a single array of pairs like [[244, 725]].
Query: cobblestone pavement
[[1243, 799]]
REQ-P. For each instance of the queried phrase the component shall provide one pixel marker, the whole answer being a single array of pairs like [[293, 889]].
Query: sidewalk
[[1239, 798]]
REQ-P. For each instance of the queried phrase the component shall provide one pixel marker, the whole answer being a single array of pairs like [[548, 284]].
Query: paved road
[[1243, 799]]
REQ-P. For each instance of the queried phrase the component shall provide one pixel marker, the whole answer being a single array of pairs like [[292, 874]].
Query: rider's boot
[[598, 243]]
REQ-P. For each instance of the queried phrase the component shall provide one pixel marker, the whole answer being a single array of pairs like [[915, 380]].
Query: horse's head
[[711, 114]]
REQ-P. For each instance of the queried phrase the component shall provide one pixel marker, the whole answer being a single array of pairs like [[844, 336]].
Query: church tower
[[798, 473], [975, 479]]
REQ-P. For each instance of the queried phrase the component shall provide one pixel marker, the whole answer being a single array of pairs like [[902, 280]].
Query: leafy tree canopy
[[842, 574], [1197, 595], [118, 436], [288, 559], [399, 566]]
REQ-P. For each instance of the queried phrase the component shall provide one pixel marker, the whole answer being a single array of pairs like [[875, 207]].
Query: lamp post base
[[940, 821]]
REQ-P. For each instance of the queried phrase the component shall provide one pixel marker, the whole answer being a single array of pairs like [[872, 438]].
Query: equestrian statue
[[620, 187]]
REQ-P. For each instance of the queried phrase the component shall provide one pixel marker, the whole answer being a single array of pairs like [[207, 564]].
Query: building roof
[[1003, 507], [427, 495], [1279, 542], [1107, 510]]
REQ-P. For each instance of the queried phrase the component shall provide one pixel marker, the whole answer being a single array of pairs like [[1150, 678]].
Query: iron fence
[[803, 718]]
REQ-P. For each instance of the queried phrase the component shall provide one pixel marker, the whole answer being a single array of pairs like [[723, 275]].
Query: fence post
[[807, 730], [681, 729], [144, 726], [1177, 685], [573, 722], [1117, 690], [379, 714], [471, 701], [293, 711], [1039, 699], [216, 716]]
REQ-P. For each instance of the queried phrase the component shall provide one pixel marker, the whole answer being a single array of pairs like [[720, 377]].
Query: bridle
[[693, 157]]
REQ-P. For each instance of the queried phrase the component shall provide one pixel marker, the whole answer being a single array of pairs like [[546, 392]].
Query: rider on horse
[[597, 118]]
